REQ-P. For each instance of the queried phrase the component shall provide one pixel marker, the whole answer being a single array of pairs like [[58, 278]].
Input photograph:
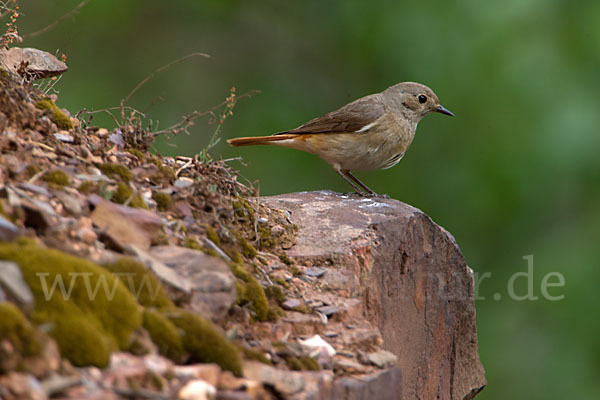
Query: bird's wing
[[350, 118]]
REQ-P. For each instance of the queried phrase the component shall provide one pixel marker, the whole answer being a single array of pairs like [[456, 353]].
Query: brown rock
[[17, 386], [32, 63], [124, 226], [207, 372], [413, 282], [212, 283]]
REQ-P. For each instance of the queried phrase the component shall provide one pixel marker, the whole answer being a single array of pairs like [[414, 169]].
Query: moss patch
[[88, 187], [116, 171], [164, 334], [302, 363], [266, 239], [163, 200], [90, 313], [212, 235], [256, 355], [137, 153], [275, 293], [248, 250], [61, 119], [205, 343], [141, 282], [57, 177], [124, 193], [15, 328], [250, 291], [286, 259], [164, 175]]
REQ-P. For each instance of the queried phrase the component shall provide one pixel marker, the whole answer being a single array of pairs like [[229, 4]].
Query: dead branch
[[53, 24]]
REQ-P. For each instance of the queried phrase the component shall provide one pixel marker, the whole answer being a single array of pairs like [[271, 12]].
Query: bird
[[372, 132]]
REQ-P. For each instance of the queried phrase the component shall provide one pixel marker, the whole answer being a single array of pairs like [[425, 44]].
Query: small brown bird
[[369, 133]]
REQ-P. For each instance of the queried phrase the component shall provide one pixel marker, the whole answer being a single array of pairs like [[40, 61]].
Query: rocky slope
[[125, 274]]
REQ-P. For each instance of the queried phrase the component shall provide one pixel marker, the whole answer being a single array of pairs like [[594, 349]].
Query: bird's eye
[[422, 98]]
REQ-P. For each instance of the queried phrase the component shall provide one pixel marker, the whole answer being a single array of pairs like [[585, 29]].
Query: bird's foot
[[367, 195]]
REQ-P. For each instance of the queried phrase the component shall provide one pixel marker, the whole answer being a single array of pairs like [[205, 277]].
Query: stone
[[124, 226], [18, 386], [316, 343], [291, 304], [64, 136], [328, 310], [207, 372], [197, 390], [71, 202], [183, 182], [11, 280], [212, 283], [413, 283], [385, 385], [382, 358], [8, 230], [56, 384], [286, 383], [349, 366], [37, 64], [317, 272]]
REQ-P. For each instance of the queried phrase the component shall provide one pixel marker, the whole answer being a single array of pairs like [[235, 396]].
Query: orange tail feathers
[[259, 140]]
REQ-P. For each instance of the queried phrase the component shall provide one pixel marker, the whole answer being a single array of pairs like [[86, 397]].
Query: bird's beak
[[442, 110]]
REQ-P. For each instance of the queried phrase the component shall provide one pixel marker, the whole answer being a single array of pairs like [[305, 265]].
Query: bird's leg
[[355, 179], [357, 189]]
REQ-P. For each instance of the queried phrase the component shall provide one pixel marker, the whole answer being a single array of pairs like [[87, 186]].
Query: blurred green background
[[515, 173]]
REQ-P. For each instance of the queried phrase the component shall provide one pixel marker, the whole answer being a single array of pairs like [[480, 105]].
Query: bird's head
[[414, 100]]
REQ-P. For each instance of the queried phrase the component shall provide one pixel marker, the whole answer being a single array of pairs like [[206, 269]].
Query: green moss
[[57, 177], [61, 119], [163, 200], [247, 249], [236, 257], [122, 194], [125, 193], [137, 153], [280, 281], [89, 312], [286, 259], [154, 160], [164, 334], [295, 270], [294, 364], [15, 328], [302, 363], [310, 363], [265, 236], [250, 291], [3, 212], [275, 293], [205, 343], [274, 313], [88, 187], [255, 355], [116, 171], [80, 342], [192, 243], [212, 235], [32, 169], [242, 208], [141, 282], [137, 201], [164, 175]]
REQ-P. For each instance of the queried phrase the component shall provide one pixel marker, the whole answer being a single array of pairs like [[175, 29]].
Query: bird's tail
[[260, 140]]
